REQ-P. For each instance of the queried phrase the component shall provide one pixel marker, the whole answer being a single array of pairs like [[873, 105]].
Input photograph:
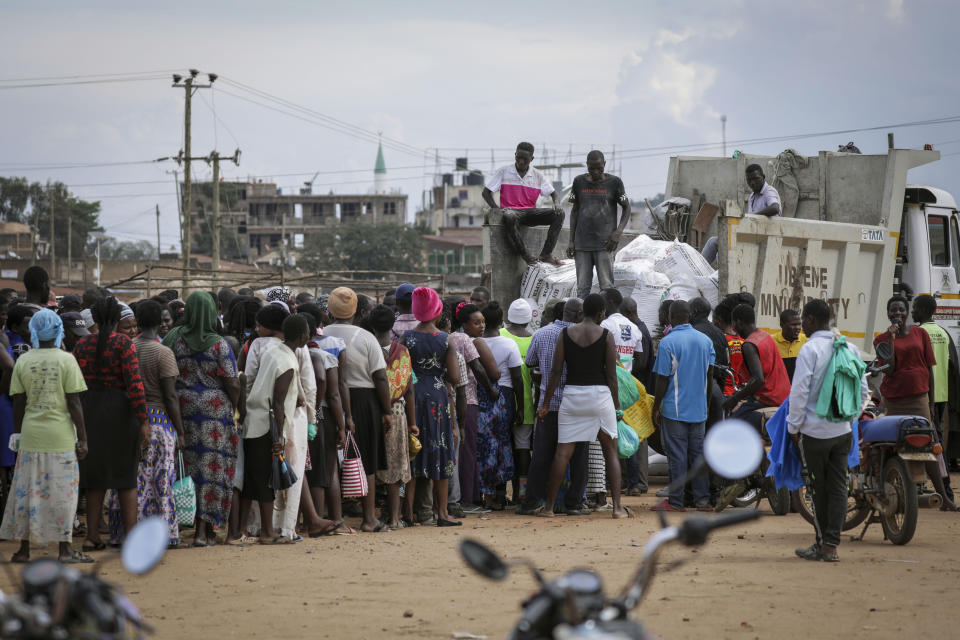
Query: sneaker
[[665, 506], [455, 510], [606, 506], [728, 494], [809, 553], [663, 493], [582, 511]]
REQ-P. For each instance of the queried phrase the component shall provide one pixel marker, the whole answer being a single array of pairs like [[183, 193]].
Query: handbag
[[353, 479], [184, 496], [414, 446]]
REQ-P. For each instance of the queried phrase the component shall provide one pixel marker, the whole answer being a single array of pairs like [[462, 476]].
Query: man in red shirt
[[520, 186], [767, 382]]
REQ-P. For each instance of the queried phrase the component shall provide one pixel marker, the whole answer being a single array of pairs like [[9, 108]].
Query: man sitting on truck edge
[[789, 339], [594, 233], [764, 201], [520, 186], [767, 382]]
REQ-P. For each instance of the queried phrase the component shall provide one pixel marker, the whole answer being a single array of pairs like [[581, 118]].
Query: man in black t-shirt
[[594, 233]]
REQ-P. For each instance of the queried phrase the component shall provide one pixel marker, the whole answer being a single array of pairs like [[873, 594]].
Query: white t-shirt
[[626, 335], [364, 355], [507, 354]]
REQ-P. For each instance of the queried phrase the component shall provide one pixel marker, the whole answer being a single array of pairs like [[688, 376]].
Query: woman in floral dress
[[433, 358], [209, 390]]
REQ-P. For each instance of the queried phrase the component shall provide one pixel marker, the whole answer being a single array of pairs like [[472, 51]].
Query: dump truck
[[852, 232]]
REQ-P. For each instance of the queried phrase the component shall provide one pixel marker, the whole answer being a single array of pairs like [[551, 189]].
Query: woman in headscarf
[[209, 390], [115, 412], [434, 358], [128, 322], [399, 375], [46, 384], [157, 473]]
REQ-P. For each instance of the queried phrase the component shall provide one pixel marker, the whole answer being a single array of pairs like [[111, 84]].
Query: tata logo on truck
[[871, 235]]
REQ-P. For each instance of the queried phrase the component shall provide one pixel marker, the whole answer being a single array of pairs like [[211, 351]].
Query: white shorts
[[522, 436], [584, 411]]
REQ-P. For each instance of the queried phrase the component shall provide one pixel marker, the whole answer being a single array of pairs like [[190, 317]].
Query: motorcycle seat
[[889, 428]]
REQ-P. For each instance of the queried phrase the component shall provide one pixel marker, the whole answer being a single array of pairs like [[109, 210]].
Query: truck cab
[[928, 253]]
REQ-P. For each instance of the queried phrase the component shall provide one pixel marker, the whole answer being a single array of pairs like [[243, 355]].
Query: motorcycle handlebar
[[535, 613], [694, 531]]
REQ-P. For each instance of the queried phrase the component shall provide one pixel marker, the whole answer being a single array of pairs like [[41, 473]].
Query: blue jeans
[[683, 442], [585, 262]]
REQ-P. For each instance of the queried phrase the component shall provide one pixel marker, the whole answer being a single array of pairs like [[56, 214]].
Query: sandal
[[343, 530], [449, 523], [627, 513], [277, 540], [76, 557], [93, 545], [325, 531], [380, 528]]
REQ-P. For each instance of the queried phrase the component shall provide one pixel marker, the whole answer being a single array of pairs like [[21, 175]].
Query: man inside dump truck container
[[764, 201], [594, 233], [520, 186]]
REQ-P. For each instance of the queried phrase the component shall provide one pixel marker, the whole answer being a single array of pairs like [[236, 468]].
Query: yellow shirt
[[789, 349]]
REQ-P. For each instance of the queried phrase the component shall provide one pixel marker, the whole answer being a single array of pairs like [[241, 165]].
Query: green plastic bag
[[627, 440]]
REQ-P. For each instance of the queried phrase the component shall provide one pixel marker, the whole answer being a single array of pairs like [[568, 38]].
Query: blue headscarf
[[45, 325]]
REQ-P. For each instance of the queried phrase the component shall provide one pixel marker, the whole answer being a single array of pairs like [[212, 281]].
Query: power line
[[78, 82], [89, 75], [11, 166]]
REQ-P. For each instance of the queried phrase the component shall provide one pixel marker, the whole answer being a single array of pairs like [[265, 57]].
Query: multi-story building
[[260, 219]]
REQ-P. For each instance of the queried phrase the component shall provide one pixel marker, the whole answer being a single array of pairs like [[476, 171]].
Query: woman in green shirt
[[45, 387]]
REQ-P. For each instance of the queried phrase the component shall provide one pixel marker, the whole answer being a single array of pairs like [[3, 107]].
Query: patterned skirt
[[494, 442], [155, 479], [210, 455], [596, 469], [43, 499], [397, 443]]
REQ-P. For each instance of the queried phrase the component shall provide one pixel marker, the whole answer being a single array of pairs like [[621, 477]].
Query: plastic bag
[[627, 440]]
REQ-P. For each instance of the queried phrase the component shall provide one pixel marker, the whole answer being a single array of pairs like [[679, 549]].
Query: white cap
[[520, 312]]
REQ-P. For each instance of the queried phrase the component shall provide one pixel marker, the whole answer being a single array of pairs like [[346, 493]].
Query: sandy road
[[745, 583]]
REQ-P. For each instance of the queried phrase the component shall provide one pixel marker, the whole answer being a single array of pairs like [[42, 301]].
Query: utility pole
[[214, 158], [158, 232], [69, 246], [723, 130], [53, 245], [188, 86]]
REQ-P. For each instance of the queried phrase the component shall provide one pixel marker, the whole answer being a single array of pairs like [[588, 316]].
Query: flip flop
[[277, 540], [380, 528], [343, 530], [543, 513], [627, 514], [76, 557], [449, 523], [90, 545], [325, 531]]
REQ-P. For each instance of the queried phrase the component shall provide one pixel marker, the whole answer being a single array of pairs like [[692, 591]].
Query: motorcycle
[[58, 602], [574, 605], [883, 487], [757, 486]]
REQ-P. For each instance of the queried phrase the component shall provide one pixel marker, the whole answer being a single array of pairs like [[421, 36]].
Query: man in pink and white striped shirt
[[520, 186]]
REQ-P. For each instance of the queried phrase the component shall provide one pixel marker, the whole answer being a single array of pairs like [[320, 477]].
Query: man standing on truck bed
[[764, 201], [520, 186], [594, 232]]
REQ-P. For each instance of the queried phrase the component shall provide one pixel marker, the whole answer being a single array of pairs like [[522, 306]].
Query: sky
[[306, 88]]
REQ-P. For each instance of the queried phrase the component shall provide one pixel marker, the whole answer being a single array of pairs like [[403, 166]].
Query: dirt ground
[[744, 583]]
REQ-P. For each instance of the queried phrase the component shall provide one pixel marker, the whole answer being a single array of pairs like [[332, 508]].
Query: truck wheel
[[901, 523]]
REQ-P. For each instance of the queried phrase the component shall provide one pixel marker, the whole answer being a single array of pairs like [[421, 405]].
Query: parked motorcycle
[[574, 605], [883, 487], [58, 602]]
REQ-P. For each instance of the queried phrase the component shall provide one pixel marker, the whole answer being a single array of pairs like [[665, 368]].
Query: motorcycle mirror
[[483, 560], [883, 350], [145, 545], [733, 449]]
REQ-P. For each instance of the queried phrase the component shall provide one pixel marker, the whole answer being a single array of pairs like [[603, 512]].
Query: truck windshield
[[939, 241]]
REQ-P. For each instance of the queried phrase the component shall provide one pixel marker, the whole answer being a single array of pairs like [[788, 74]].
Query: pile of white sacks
[[649, 271]]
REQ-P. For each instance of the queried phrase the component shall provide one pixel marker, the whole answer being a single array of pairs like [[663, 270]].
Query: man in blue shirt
[[684, 366]]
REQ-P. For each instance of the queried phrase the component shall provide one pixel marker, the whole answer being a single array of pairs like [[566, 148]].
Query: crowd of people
[[455, 407]]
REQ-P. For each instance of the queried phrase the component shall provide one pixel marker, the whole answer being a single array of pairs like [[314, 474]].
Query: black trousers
[[826, 463], [544, 449], [514, 218]]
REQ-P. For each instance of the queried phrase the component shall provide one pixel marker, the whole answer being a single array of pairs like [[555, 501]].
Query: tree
[[29, 203], [229, 242], [365, 247], [113, 249]]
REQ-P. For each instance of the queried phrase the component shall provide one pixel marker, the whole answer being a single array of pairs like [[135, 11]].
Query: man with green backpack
[[828, 392]]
